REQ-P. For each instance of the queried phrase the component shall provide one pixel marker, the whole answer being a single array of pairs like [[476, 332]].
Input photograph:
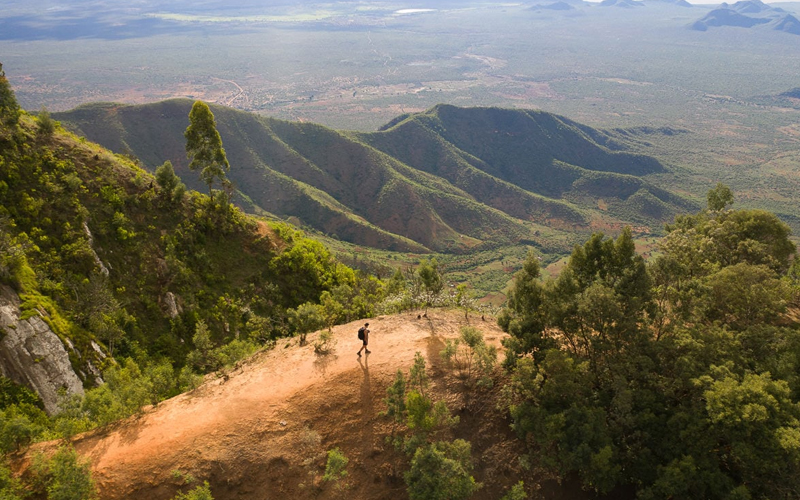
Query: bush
[[200, 493], [517, 492], [325, 343], [65, 476], [471, 356], [204, 357], [305, 319], [10, 487], [46, 125], [18, 427], [396, 398], [441, 471], [235, 351], [335, 466]]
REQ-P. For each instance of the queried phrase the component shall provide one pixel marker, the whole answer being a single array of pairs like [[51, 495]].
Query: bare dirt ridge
[[261, 431]]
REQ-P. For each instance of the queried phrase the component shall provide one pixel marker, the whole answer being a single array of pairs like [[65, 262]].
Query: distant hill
[[627, 4], [726, 17], [794, 93], [748, 6], [558, 6], [680, 3], [788, 99], [748, 14], [449, 179], [787, 24], [550, 4]]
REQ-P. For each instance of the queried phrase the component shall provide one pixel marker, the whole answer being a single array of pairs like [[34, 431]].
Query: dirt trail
[[251, 434]]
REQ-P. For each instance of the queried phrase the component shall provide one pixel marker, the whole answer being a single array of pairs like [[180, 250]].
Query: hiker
[[363, 335]]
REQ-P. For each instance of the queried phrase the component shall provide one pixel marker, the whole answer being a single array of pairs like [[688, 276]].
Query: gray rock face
[[172, 306], [32, 355], [103, 268]]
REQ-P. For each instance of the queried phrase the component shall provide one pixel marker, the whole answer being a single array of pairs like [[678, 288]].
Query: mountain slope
[[251, 434], [117, 264], [529, 164], [449, 179]]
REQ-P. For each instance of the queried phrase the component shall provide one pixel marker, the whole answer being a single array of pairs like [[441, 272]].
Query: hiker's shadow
[[366, 385], [367, 408]]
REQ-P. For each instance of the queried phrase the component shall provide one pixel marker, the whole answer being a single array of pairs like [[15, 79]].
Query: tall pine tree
[[204, 147]]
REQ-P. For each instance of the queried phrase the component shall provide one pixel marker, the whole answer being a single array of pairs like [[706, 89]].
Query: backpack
[[361, 333]]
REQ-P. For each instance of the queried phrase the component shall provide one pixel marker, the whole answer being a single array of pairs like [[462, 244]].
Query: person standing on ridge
[[363, 335]]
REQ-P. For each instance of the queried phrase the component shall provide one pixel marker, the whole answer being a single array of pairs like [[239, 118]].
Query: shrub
[[204, 357], [310, 446], [517, 492], [335, 466], [306, 319], [441, 471], [396, 398], [46, 124], [234, 351], [325, 343], [65, 476], [200, 493], [17, 428], [471, 356], [10, 487]]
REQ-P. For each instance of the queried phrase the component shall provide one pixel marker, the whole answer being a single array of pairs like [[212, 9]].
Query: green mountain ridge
[[446, 180], [69, 205]]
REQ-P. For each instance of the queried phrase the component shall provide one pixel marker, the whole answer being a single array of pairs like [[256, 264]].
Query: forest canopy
[[676, 378]]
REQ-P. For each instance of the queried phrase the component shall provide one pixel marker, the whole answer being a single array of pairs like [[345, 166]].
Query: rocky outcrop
[[173, 309], [103, 268], [32, 355]]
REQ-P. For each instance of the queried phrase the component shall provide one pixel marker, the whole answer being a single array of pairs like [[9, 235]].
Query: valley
[[571, 228], [350, 67]]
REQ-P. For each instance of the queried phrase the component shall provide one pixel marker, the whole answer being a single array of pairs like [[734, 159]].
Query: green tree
[[524, 317], [68, 477], [203, 357], [744, 295], [431, 279], [418, 375], [464, 299], [441, 471], [45, 123], [397, 283], [332, 308], [707, 241], [707, 411], [719, 197], [312, 269], [9, 108], [204, 147], [18, 427], [172, 189], [428, 272], [305, 319], [396, 398]]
